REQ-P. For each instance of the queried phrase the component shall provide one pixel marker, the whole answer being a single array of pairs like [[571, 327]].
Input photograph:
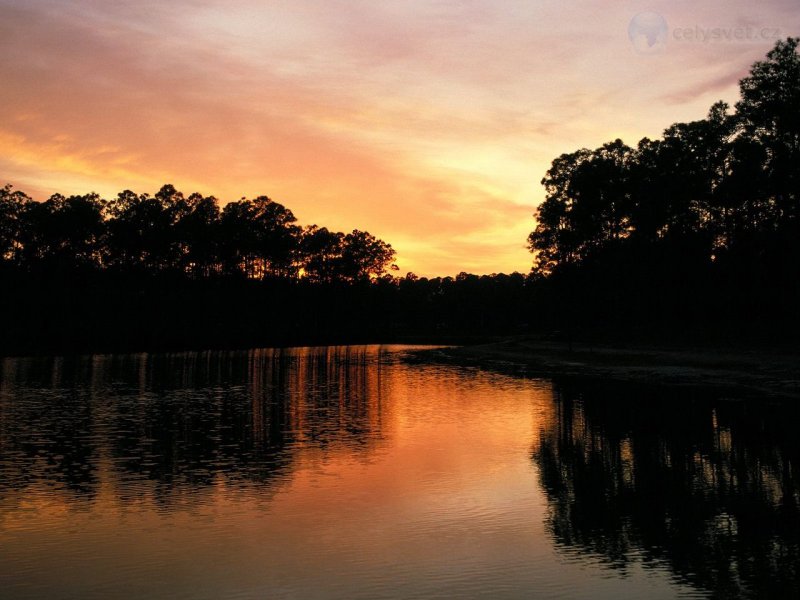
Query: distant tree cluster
[[189, 235], [714, 202], [140, 272]]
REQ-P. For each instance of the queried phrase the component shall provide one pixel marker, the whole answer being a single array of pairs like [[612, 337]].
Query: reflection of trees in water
[[173, 423], [709, 488], [58, 450]]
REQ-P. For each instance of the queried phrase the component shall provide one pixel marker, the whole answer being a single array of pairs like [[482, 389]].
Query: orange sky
[[428, 123]]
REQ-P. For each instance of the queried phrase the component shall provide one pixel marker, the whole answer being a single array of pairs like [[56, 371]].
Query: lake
[[367, 472]]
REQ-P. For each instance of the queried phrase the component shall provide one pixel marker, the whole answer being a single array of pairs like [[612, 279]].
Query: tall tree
[[13, 205], [259, 238], [277, 237], [321, 253], [197, 228], [587, 205], [141, 230], [63, 232], [769, 112], [365, 257]]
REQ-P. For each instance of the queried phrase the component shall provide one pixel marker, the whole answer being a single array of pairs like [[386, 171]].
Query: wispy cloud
[[430, 123]]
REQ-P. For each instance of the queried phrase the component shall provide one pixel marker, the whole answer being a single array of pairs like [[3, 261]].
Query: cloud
[[429, 123]]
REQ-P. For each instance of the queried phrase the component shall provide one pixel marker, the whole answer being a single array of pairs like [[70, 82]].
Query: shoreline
[[747, 370], [743, 370], [301, 342]]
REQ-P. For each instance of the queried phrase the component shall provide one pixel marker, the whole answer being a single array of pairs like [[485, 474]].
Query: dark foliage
[[699, 230], [170, 271], [695, 236], [187, 237]]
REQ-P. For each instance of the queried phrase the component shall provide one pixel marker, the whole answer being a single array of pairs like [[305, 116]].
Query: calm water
[[356, 473]]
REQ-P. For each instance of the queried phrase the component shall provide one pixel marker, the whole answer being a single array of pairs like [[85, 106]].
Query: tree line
[[169, 271], [184, 235], [705, 220], [695, 235]]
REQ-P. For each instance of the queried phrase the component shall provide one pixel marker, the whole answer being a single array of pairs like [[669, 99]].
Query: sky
[[429, 123]]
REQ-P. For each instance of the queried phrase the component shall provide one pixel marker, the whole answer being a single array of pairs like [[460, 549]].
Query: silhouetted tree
[[62, 232], [13, 205], [705, 220], [186, 236], [277, 238], [141, 230], [768, 113], [198, 233], [321, 252], [259, 238], [364, 256]]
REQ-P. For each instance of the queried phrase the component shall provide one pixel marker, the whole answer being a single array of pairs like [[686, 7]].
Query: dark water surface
[[353, 473]]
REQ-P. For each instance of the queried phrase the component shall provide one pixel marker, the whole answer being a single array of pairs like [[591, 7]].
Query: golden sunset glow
[[427, 123]]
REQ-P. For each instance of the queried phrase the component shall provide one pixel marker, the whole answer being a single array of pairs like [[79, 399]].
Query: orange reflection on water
[[342, 472]]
